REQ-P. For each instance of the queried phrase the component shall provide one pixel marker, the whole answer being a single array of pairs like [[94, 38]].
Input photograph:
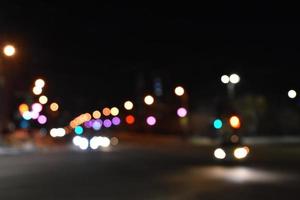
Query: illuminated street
[[164, 171]]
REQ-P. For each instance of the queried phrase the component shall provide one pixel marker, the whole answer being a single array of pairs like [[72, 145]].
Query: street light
[[230, 81], [9, 50], [292, 94]]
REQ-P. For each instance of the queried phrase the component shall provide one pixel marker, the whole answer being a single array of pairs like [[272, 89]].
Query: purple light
[[89, 124], [37, 107], [107, 123], [151, 121], [42, 119], [34, 115], [116, 121], [181, 112]]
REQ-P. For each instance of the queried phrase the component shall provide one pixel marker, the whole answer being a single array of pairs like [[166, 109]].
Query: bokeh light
[[23, 108], [151, 121], [107, 123], [37, 107], [225, 79], [128, 105], [96, 114], [234, 78], [218, 124], [97, 124], [116, 121], [40, 83], [42, 119], [181, 112], [149, 100], [78, 130], [54, 107], [43, 99], [130, 119], [292, 94], [27, 115], [114, 141], [114, 111], [179, 91], [106, 111], [34, 115], [37, 90], [235, 122], [9, 50]]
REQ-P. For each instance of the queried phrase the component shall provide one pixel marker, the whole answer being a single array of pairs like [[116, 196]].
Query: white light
[[76, 140], [9, 50], [149, 100], [292, 94], [240, 153], [94, 142], [234, 78], [57, 132], [179, 91], [225, 79], [220, 153], [128, 105], [84, 143], [104, 142], [37, 90]]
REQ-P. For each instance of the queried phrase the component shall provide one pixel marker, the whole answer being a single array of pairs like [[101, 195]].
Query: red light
[[130, 119]]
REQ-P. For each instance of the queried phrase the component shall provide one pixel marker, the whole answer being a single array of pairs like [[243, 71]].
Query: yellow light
[[23, 108], [96, 114], [128, 105], [37, 90], [40, 83], [54, 107], [9, 50], [149, 100], [43, 99], [235, 122], [179, 91], [114, 111], [106, 111]]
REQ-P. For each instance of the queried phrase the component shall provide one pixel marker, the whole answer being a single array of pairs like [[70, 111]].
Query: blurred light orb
[[54, 107], [181, 112], [43, 99], [76, 140], [240, 153], [106, 111], [78, 130], [34, 115], [179, 91], [219, 154], [149, 100], [37, 90], [37, 107], [234, 78], [23, 108], [104, 142], [97, 125], [130, 119], [225, 79], [235, 122], [96, 114], [114, 141], [107, 123], [40, 83], [218, 124], [94, 143], [151, 121], [24, 124], [114, 111], [83, 143], [116, 121], [42, 119], [292, 94], [128, 105], [9, 50]]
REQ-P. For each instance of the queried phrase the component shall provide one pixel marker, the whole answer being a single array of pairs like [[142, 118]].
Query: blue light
[[78, 130], [24, 124], [218, 124]]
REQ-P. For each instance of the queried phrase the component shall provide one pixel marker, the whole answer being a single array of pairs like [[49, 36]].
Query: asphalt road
[[177, 171]]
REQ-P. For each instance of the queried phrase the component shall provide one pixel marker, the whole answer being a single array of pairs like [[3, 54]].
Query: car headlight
[[241, 152], [219, 154]]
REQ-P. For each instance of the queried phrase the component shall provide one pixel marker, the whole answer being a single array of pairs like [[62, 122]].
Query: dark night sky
[[85, 48]]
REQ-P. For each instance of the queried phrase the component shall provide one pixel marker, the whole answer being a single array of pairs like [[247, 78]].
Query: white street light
[[292, 94]]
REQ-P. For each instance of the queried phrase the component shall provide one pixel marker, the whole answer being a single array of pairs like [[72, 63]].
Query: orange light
[[106, 111], [130, 119], [23, 108], [54, 107], [235, 122], [96, 114]]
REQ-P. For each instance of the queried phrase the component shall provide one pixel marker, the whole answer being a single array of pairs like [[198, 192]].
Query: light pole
[[230, 81]]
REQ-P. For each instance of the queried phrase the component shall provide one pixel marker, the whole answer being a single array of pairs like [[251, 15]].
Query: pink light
[[181, 112], [34, 115], [37, 107], [107, 123], [151, 121], [42, 119], [116, 121]]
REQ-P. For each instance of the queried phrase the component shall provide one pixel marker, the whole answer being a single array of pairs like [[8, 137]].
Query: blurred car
[[231, 150]]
